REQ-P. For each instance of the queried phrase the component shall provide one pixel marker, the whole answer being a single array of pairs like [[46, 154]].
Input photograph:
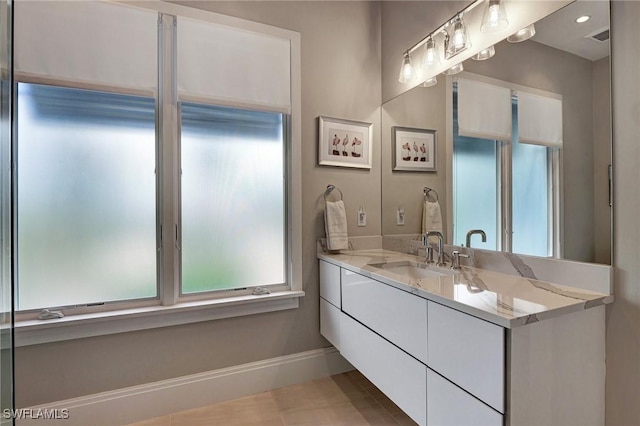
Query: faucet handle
[[455, 259]]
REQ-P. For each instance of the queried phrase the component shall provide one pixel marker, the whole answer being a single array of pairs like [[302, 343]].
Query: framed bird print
[[344, 143], [414, 150]]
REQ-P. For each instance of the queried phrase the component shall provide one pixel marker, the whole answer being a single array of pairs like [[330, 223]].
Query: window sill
[[35, 332]]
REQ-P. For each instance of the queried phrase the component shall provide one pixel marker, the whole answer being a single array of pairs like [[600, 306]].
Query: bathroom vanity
[[467, 347]]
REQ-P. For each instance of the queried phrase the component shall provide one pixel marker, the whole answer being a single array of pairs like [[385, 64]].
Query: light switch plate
[[400, 217], [362, 217]]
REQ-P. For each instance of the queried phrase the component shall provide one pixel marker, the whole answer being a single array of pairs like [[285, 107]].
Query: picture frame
[[414, 150], [344, 143]]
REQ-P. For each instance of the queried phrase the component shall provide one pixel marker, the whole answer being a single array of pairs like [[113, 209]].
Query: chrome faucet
[[425, 241], [476, 231]]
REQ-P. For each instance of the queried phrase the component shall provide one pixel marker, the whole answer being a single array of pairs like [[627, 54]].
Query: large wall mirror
[[544, 200]]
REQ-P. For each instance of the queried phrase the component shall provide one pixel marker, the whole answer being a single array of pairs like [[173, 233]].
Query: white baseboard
[[128, 405]]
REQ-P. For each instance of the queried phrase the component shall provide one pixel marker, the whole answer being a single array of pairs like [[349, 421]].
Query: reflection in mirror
[[546, 200]]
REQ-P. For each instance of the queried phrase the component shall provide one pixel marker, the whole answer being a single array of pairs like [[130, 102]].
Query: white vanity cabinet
[[468, 351], [330, 305], [445, 367]]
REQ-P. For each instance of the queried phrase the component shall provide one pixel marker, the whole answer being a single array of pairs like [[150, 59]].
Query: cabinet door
[[468, 351], [396, 315], [448, 405], [399, 376], [330, 283], [330, 323]]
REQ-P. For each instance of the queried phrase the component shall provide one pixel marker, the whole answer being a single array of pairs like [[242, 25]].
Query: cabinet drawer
[[330, 323], [448, 405], [468, 351], [330, 283], [396, 315], [399, 376]]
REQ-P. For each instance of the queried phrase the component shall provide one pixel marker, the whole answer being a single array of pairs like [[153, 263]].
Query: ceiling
[[560, 29]]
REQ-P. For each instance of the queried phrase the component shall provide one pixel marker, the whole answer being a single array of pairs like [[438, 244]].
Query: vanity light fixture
[[457, 68], [582, 19], [431, 55], [430, 82], [456, 39], [524, 34], [406, 71], [484, 54], [454, 36], [494, 18]]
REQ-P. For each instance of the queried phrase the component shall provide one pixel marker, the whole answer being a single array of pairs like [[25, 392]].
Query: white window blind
[[484, 110], [86, 42], [233, 66], [539, 120]]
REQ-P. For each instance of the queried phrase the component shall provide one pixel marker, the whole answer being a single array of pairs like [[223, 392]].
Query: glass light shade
[[430, 82], [524, 34], [456, 39], [485, 54], [431, 55], [457, 68], [406, 71], [494, 18]]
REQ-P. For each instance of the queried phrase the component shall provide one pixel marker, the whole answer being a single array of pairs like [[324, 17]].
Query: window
[[86, 197], [504, 188], [233, 198], [119, 199]]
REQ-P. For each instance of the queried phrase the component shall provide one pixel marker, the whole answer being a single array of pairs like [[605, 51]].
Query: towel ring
[[329, 190], [427, 191]]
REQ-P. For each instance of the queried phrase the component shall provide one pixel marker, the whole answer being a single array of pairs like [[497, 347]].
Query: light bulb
[[459, 37], [406, 71], [456, 38], [494, 18], [431, 56]]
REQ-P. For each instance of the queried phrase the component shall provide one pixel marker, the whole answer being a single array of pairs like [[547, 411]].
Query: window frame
[[504, 173], [170, 307]]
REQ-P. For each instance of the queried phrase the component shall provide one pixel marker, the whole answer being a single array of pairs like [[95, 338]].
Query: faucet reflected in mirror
[[473, 232]]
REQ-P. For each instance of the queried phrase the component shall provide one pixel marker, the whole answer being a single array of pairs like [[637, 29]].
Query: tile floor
[[344, 399]]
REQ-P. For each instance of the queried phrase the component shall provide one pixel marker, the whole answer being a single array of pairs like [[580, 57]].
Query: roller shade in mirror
[[484, 110], [233, 66], [539, 120], [95, 43]]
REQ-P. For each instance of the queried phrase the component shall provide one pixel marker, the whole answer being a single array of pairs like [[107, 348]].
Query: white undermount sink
[[413, 269]]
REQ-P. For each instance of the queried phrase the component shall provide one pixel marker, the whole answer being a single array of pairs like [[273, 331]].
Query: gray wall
[[340, 78], [623, 316]]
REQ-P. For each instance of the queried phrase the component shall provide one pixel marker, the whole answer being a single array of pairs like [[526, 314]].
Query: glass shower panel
[[6, 284], [233, 198]]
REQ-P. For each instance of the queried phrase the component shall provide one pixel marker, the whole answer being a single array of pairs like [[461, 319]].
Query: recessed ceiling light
[[583, 18]]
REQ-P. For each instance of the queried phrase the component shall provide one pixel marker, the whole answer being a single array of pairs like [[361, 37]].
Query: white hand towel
[[431, 219], [335, 225]]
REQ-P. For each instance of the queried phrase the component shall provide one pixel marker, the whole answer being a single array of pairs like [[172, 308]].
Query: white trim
[[156, 399], [111, 322]]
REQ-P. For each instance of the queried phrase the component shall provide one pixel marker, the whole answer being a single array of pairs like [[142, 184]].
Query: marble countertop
[[505, 300]]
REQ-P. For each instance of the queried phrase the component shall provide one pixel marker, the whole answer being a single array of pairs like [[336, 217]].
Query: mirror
[[564, 58]]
